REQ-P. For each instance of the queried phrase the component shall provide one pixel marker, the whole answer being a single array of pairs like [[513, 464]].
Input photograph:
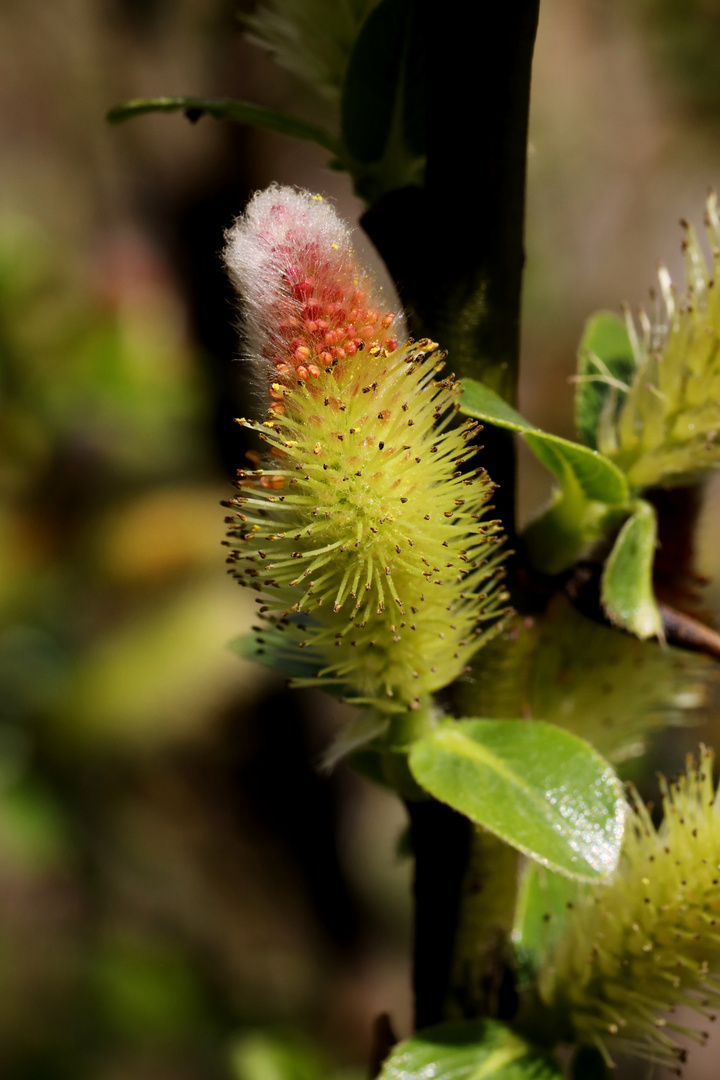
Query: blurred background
[[183, 895]]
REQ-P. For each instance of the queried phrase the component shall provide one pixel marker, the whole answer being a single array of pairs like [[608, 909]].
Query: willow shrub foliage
[[366, 536], [364, 522]]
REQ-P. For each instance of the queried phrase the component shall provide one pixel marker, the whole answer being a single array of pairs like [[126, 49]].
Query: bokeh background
[[183, 894]]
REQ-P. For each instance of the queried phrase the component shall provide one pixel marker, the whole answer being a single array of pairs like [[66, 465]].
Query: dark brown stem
[[455, 249], [441, 844], [678, 585], [689, 633]]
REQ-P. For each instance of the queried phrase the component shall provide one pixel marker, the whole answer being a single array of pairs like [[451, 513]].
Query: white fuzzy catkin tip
[[306, 301]]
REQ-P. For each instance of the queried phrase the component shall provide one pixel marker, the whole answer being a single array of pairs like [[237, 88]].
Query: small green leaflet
[[539, 788], [592, 496], [541, 912], [627, 587], [587, 480], [605, 359], [241, 112], [569, 527], [473, 1050], [596, 476]]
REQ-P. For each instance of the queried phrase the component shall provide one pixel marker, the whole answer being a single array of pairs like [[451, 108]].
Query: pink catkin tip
[[308, 302]]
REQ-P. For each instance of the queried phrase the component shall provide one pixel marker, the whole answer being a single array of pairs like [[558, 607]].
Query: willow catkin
[[636, 949], [360, 528]]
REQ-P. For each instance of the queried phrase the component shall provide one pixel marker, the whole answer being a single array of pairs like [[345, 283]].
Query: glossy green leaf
[[597, 478], [473, 1050], [539, 788], [627, 585], [605, 357], [241, 112]]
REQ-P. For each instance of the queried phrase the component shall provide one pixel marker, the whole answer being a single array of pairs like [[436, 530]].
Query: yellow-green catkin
[[636, 950], [360, 528], [663, 427]]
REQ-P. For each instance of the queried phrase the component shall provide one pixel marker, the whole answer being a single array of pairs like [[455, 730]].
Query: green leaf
[[241, 112], [474, 1050], [605, 354], [596, 476], [537, 787], [570, 526], [541, 912], [373, 81], [592, 490], [312, 39], [383, 102], [627, 587]]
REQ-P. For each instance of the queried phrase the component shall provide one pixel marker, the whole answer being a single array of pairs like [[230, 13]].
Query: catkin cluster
[[662, 426], [360, 528], [635, 951]]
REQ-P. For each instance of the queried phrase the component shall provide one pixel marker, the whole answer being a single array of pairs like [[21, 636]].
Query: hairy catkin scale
[[662, 427], [637, 949], [361, 528]]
